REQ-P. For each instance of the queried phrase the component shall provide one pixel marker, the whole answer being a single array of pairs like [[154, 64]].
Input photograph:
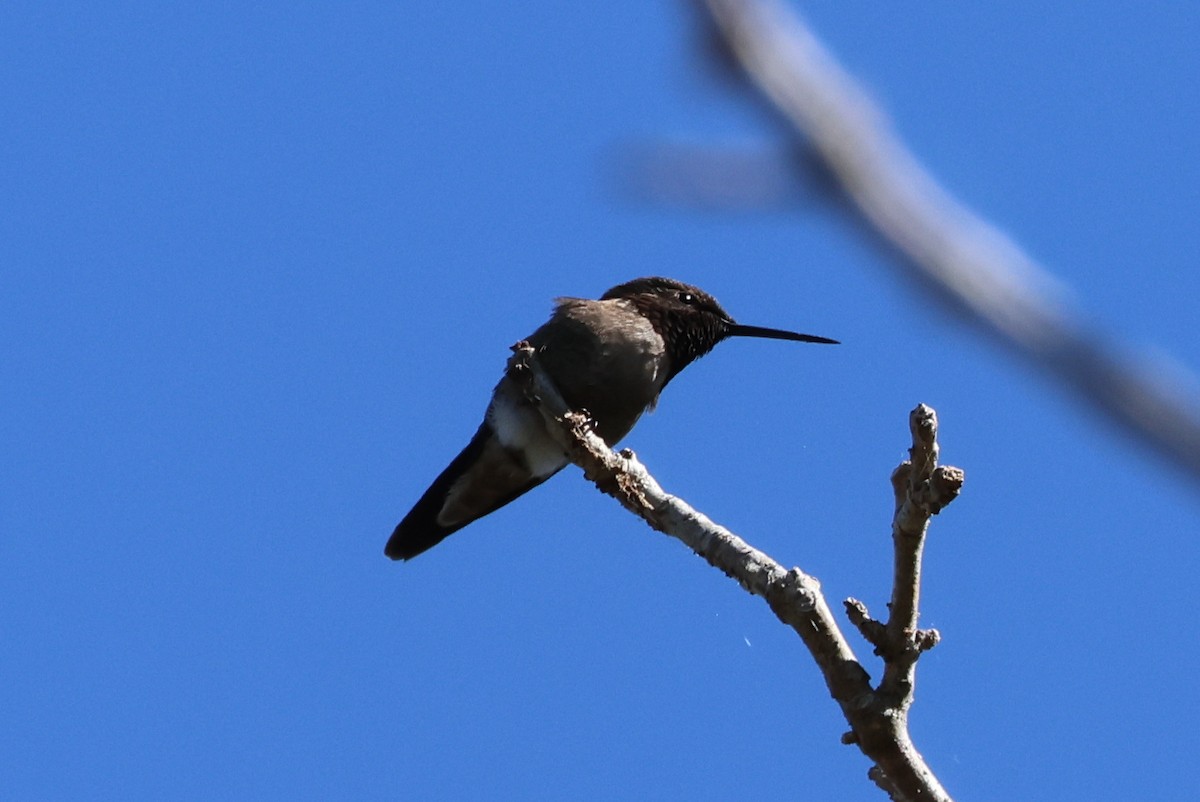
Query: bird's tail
[[421, 529]]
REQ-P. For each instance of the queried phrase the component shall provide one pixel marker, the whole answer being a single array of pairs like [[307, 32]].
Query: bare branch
[[960, 259], [878, 718], [922, 489]]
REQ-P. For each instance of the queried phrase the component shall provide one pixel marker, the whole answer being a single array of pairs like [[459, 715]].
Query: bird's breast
[[605, 358]]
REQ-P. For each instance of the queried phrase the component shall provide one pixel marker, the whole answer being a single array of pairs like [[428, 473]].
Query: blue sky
[[261, 267]]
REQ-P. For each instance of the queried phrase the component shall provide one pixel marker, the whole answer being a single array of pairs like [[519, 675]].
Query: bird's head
[[690, 321]]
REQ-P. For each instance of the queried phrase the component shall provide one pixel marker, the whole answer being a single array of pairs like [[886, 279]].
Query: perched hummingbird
[[610, 357]]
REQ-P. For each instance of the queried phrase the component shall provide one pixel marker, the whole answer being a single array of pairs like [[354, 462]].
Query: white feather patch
[[521, 428]]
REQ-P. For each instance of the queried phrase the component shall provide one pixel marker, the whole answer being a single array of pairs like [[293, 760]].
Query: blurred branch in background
[[959, 259], [707, 176]]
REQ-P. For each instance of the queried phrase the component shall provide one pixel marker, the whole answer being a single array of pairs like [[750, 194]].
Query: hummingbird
[[611, 358]]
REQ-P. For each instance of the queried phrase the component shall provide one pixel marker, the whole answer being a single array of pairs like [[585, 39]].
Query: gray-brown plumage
[[611, 357]]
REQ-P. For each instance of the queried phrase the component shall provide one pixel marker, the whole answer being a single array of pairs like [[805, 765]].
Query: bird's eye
[[687, 298]]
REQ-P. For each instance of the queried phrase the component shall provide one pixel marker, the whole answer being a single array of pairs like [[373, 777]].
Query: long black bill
[[738, 330]]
